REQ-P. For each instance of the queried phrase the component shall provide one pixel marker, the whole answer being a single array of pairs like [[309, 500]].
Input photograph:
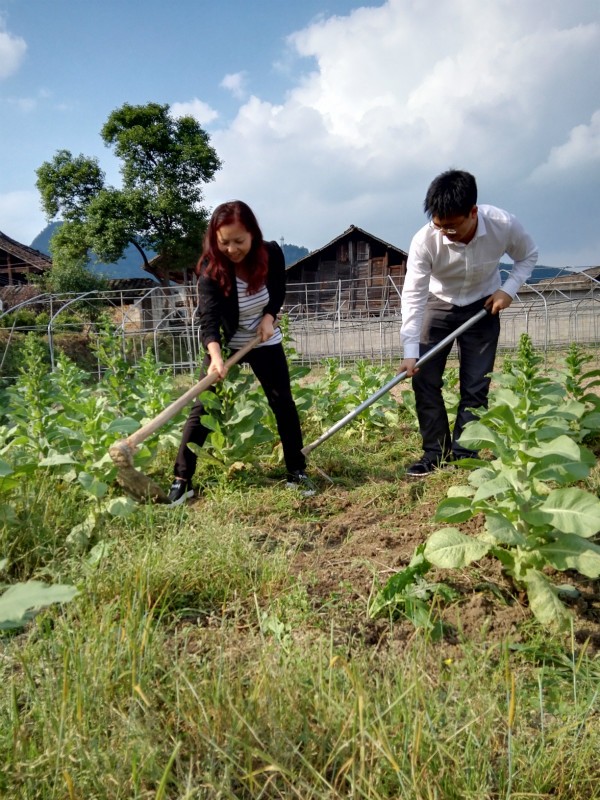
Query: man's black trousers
[[476, 351]]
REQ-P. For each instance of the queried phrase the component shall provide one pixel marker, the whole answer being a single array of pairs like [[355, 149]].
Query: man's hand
[[409, 365], [498, 301]]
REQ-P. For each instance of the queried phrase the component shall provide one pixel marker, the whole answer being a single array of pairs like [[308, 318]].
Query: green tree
[[158, 208]]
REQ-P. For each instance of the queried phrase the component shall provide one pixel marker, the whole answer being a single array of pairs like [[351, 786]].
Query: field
[[230, 648]]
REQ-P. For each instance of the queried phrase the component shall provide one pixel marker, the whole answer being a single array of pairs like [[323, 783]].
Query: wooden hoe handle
[[170, 411]]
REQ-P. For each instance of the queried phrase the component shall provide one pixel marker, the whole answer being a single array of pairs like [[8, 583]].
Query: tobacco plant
[[235, 414], [534, 516], [341, 390], [58, 423]]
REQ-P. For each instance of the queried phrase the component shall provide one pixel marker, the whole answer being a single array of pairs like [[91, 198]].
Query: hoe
[[390, 384], [135, 483]]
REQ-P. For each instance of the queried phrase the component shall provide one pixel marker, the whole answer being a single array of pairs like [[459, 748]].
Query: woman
[[241, 281]]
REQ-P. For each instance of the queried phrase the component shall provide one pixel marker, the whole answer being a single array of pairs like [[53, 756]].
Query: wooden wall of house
[[365, 280]]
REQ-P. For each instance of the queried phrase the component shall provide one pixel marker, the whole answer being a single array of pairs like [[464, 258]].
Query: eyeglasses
[[442, 228], [449, 229]]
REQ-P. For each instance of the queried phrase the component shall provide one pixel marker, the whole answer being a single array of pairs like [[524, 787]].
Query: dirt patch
[[348, 548]]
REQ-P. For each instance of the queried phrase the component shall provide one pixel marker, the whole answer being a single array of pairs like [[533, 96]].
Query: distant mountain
[[129, 266], [540, 273], [293, 253]]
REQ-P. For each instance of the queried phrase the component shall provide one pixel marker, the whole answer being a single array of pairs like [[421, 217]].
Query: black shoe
[[180, 491], [299, 480], [423, 467]]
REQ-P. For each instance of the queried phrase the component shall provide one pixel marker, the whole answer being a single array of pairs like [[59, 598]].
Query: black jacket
[[218, 312]]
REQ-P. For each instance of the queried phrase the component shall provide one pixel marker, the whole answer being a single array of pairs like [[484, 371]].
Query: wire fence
[[342, 320]]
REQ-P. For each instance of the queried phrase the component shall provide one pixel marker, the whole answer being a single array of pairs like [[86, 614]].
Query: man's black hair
[[451, 193]]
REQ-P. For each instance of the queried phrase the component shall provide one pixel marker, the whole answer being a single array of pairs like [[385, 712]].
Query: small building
[[356, 271], [565, 285]]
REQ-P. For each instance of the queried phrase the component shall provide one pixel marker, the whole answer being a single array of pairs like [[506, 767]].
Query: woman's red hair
[[215, 263]]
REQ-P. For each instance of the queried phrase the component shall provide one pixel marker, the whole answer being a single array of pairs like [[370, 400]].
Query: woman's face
[[234, 241]]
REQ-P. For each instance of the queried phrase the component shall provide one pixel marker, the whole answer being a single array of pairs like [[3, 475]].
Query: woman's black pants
[[269, 364], [476, 351]]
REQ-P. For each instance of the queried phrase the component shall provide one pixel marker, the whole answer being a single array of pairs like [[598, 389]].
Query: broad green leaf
[[451, 548], [9, 483], [568, 510], [92, 485], [497, 485], [106, 460], [56, 459], [99, 552], [461, 491], [7, 514], [210, 422], [19, 601], [544, 601], [548, 433], [454, 509], [120, 506], [562, 447], [502, 530], [573, 552], [591, 421], [505, 396], [503, 417], [480, 476], [563, 472], [561, 460], [477, 435], [123, 425], [79, 536], [5, 469]]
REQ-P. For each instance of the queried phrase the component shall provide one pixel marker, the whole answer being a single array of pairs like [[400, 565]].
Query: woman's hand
[[266, 327], [217, 365]]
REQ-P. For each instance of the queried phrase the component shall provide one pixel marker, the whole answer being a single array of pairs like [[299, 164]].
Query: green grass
[[194, 664]]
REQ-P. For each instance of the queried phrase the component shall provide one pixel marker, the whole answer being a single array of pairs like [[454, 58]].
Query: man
[[452, 273]]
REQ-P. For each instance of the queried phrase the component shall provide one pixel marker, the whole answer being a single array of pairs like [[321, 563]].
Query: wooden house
[[355, 271]]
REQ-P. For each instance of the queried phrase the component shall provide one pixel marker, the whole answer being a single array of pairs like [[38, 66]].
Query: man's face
[[457, 228]]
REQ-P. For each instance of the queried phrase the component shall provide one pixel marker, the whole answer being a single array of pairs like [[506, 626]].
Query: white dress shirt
[[463, 273]]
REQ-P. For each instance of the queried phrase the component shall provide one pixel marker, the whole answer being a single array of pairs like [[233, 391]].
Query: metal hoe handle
[[395, 380]]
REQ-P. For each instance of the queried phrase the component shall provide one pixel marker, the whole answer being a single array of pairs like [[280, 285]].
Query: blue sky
[[325, 114]]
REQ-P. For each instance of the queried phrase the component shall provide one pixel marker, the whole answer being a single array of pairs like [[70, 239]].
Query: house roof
[[353, 232], [17, 257], [126, 284], [583, 276]]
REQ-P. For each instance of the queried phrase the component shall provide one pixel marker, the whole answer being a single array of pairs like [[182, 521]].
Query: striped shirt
[[251, 312]]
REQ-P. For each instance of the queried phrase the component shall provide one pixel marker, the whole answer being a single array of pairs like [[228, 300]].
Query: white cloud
[[12, 53], [198, 109], [393, 95], [21, 215], [578, 156], [235, 83], [24, 104]]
